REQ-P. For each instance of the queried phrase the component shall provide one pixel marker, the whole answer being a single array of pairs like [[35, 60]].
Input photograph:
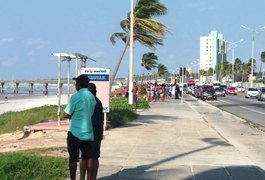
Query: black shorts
[[94, 151], [74, 145]]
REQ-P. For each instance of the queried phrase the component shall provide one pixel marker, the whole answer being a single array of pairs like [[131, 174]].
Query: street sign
[[101, 78]]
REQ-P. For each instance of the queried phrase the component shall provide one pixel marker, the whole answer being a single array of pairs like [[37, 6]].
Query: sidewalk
[[174, 141]]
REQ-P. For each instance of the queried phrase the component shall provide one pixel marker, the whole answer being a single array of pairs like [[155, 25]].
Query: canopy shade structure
[[68, 57]]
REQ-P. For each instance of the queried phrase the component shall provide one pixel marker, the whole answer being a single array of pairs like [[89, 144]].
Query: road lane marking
[[225, 102], [252, 110], [245, 108]]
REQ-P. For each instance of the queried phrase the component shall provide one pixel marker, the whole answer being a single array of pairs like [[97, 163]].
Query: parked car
[[251, 92], [240, 89], [261, 95], [219, 91], [231, 90]]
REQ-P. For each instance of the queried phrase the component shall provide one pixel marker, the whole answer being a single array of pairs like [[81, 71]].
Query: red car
[[231, 90]]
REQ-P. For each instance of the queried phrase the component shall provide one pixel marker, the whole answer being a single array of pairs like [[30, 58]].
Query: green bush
[[143, 104], [121, 112], [22, 166]]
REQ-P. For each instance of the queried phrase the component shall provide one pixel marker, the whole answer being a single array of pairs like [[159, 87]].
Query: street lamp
[[131, 55], [198, 63], [195, 65], [254, 31], [233, 45], [222, 52]]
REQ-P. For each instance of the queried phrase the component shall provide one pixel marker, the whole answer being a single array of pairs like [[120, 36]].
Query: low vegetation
[[120, 113], [12, 121], [24, 165], [44, 163]]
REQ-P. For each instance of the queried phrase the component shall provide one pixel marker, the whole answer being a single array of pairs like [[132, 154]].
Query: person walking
[[94, 152], [177, 91], [80, 133], [136, 92]]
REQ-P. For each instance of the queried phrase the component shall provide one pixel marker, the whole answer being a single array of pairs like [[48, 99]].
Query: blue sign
[[98, 77]]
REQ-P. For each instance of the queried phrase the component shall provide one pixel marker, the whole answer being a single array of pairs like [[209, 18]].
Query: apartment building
[[212, 52]]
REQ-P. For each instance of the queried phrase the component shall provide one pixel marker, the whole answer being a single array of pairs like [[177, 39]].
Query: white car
[[251, 92], [240, 89]]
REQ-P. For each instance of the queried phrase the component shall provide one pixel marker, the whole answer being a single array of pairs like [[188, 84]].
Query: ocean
[[10, 90]]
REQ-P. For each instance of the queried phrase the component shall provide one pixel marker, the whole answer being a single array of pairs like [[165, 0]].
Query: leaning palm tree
[[147, 31], [161, 70], [149, 61], [262, 58]]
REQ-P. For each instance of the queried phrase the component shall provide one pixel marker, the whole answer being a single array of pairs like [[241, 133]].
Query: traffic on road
[[247, 104]]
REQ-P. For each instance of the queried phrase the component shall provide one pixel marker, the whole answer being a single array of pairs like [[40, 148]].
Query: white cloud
[[36, 42], [203, 6], [96, 55], [6, 40]]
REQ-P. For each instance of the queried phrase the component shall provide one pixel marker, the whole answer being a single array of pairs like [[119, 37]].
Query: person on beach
[[80, 133], [94, 152]]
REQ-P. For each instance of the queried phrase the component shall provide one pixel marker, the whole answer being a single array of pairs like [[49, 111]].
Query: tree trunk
[[142, 76], [119, 62]]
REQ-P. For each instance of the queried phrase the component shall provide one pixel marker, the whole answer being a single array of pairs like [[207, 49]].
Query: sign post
[[101, 78]]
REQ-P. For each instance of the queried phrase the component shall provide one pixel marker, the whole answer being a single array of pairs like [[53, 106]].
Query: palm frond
[[119, 35]]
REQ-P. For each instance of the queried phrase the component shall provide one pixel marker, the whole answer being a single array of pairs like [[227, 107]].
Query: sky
[[30, 31]]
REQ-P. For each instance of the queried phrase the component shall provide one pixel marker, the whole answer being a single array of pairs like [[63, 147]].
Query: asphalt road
[[249, 109]]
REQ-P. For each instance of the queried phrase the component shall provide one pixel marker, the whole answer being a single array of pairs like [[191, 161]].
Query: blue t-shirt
[[81, 107]]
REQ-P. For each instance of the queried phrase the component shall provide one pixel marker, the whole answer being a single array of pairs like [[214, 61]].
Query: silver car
[[251, 92], [261, 95]]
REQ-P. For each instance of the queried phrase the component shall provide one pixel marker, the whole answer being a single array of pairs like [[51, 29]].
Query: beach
[[53, 136], [21, 103]]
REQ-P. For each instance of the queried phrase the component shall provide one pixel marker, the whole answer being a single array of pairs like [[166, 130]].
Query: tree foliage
[[147, 31]]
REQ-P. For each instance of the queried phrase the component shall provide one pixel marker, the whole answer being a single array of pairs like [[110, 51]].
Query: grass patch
[[45, 151], [120, 113], [12, 121], [27, 166]]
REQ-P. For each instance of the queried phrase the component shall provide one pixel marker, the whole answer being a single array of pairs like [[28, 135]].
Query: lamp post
[[222, 51], [195, 65], [254, 31], [131, 55], [198, 63], [233, 45]]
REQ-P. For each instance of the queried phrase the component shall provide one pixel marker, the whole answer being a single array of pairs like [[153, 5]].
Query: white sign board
[[101, 78]]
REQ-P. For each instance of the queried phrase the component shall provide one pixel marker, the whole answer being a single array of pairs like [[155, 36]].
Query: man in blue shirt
[[97, 121], [80, 133]]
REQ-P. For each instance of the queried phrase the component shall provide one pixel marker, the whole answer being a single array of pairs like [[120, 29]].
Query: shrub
[[26, 166], [121, 112]]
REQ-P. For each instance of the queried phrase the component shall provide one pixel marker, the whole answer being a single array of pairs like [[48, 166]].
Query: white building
[[212, 52]]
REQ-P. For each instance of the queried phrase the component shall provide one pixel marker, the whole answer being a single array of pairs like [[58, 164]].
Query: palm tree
[[147, 31], [262, 58], [149, 61], [161, 70]]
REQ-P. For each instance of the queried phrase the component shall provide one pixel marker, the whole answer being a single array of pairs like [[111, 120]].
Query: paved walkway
[[174, 141]]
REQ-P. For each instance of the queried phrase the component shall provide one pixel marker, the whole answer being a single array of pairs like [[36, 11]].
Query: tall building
[[212, 52]]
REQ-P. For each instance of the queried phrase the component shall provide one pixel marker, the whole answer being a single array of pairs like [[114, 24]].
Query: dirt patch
[[18, 141]]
